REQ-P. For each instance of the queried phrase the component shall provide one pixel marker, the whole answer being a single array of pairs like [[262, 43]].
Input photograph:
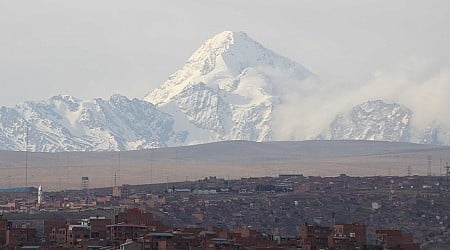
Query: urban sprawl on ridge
[[289, 211]]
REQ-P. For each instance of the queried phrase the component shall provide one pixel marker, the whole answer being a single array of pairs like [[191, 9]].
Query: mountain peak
[[226, 38], [228, 89], [224, 60], [229, 50]]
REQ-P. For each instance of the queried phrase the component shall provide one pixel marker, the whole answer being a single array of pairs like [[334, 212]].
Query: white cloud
[[420, 85]]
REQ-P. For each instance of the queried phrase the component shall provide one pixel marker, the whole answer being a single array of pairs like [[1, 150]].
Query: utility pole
[[26, 157], [429, 165], [447, 172], [151, 166]]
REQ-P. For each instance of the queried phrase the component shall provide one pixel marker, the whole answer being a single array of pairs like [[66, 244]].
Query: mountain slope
[[373, 120], [378, 120], [64, 123], [229, 88]]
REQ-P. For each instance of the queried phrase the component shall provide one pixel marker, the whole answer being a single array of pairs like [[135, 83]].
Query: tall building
[[396, 239], [314, 237], [347, 236], [40, 195]]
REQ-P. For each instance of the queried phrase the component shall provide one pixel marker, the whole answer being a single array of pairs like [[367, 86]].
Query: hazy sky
[[94, 49]]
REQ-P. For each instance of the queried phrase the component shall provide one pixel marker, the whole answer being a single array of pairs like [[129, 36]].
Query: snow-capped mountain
[[65, 123], [381, 121], [231, 88], [228, 89], [373, 120]]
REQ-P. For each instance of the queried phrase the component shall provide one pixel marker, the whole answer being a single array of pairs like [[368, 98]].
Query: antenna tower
[[391, 190], [85, 182], [167, 183], [151, 166], [447, 173], [118, 170], [429, 165]]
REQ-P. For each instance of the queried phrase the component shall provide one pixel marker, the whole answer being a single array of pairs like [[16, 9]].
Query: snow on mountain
[[378, 120], [231, 88], [65, 123], [228, 89], [373, 120]]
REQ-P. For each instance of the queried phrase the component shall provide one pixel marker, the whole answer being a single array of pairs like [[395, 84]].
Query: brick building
[[347, 236], [134, 216], [77, 235], [314, 237], [50, 228], [21, 237], [3, 229], [98, 227], [120, 232], [396, 240]]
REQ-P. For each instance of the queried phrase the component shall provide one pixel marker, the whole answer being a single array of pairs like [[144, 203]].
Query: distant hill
[[231, 159]]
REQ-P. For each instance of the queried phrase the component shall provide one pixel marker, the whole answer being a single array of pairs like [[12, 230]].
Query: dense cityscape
[[228, 125], [290, 211]]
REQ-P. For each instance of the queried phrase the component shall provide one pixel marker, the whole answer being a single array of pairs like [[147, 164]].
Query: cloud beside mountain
[[233, 88]]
